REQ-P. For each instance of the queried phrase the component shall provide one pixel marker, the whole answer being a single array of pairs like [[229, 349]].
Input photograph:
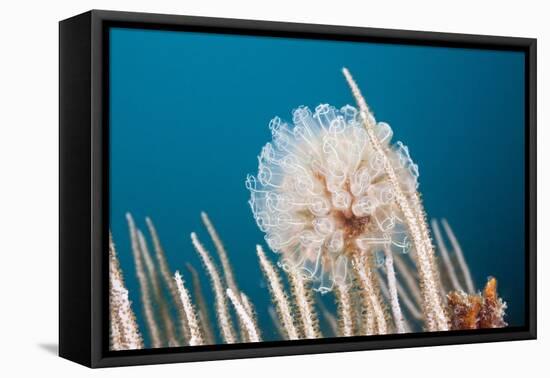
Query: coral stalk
[[146, 297], [409, 277], [460, 256], [411, 305], [276, 322], [224, 319], [249, 307], [279, 296], [418, 210], [345, 310], [302, 297], [369, 323], [386, 294], [392, 292], [116, 341], [226, 265], [159, 300], [449, 267], [194, 328], [251, 330], [361, 265], [167, 279], [204, 318], [435, 315], [124, 329], [247, 304]]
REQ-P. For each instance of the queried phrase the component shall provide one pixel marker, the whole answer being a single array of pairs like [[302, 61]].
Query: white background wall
[[29, 185]]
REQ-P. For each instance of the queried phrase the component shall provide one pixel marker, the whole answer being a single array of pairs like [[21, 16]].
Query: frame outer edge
[[75, 272], [99, 18], [99, 214], [532, 168]]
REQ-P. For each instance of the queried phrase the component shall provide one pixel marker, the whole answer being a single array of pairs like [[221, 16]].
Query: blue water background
[[189, 115]]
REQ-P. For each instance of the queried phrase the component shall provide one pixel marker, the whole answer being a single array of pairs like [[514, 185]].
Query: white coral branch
[[435, 315], [243, 315], [345, 309], [308, 318], [124, 329], [226, 326], [392, 292], [167, 279], [371, 299], [146, 297], [191, 315], [460, 257], [449, 267], [278, 294], [226, 265]]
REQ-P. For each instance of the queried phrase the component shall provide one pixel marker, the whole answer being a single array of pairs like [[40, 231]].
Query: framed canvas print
[[234, 188]]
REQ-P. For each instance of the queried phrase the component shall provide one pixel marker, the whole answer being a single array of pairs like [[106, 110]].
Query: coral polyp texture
[[338, 203]]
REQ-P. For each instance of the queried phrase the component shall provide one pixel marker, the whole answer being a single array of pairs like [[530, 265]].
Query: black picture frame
[[84, 188]]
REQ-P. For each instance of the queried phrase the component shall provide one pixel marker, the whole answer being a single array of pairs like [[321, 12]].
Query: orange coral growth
[[492, 313], [475, 311], [464, 310]]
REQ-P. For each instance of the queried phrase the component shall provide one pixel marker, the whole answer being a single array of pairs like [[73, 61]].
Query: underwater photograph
[[267, 188]]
